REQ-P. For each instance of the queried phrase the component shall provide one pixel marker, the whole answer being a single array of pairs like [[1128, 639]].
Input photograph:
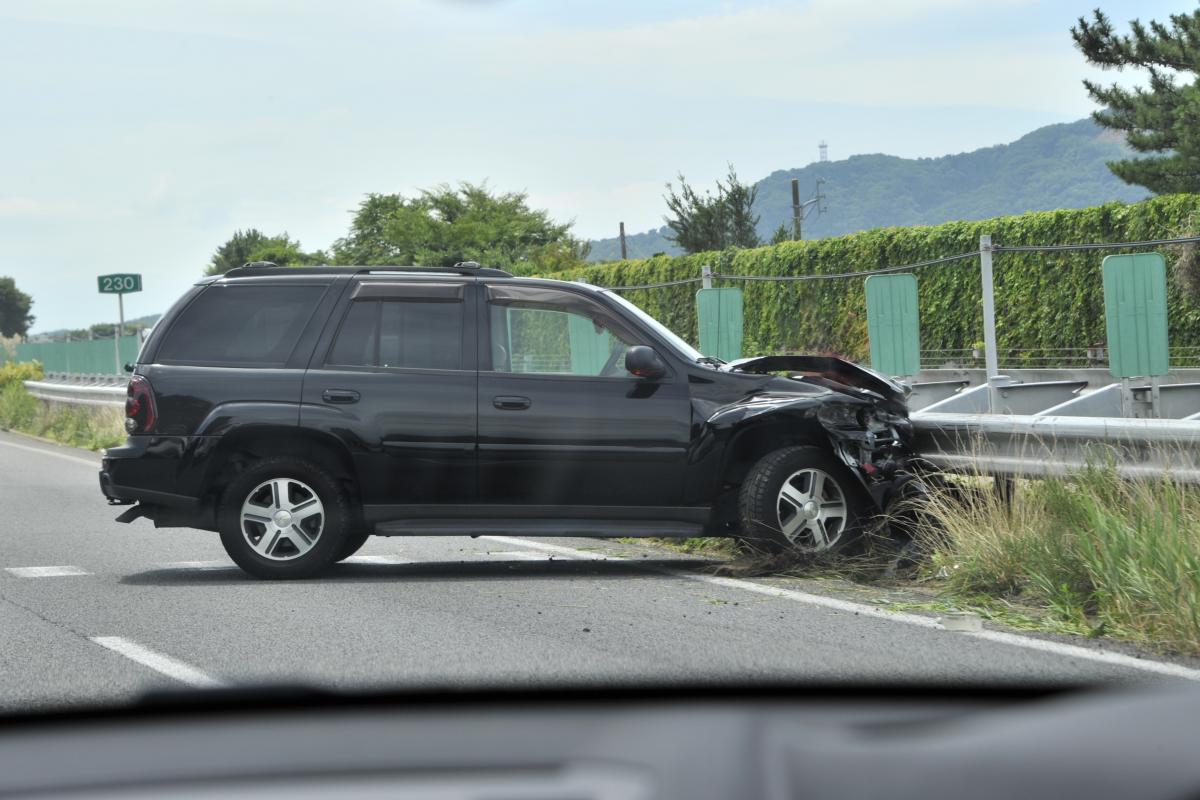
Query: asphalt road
[[92, 610]]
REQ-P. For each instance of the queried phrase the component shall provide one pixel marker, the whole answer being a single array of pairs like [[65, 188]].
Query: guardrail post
[[989, 307], [991, 360]]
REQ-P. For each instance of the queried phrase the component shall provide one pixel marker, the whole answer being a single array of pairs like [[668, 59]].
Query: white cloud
[[846, 52]]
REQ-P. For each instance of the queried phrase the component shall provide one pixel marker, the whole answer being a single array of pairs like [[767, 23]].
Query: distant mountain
[[1058, 166], [146, 322]]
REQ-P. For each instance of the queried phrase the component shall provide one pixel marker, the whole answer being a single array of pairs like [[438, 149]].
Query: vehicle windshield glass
[[398, 344], [673, 339]]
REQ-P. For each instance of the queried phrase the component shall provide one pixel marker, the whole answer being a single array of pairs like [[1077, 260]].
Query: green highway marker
[[119, 284]]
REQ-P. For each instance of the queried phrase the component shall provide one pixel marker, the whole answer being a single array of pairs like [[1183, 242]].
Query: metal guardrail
[[1037, 446], [85, 394]]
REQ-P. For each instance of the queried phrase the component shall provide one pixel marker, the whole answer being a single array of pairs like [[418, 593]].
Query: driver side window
[[539, 336]]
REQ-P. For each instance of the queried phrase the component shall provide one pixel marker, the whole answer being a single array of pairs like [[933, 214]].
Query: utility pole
[[801, 210], [797, 212], [624, 254]]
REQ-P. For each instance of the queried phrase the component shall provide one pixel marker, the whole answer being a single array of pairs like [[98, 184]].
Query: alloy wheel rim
[[282, 518], [812, 510]]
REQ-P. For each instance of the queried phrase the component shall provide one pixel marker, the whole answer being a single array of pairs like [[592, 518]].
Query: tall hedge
[[1043, 300]]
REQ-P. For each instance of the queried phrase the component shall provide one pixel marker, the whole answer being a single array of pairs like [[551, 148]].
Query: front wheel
[[284, 518], [801, 499]]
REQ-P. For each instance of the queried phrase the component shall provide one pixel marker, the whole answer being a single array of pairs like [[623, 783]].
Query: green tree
[[445, 225], [782, 234], [15, 318], [710, 221], [254, 245], [286, 252], [1162, 117], [236, 251], [367, 241]]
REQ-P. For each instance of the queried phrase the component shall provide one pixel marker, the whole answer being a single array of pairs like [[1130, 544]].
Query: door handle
[[340, 396], [511, 402]]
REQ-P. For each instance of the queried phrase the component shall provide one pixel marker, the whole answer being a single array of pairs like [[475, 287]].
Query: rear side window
[[409, 334], [246, 325]]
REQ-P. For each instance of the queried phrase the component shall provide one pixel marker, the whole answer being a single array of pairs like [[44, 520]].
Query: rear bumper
[[150, 470], [119, 495]]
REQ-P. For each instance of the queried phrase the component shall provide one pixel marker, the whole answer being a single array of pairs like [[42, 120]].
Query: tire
[[775, 520], [353, 543], [284, 518]]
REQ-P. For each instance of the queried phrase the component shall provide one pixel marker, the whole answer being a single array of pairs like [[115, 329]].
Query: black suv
[[299, 411]]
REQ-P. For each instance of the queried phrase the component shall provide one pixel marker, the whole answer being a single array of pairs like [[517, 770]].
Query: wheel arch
[[765, 433], [244, 445]]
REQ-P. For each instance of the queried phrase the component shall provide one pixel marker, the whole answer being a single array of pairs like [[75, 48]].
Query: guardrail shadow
[[434, 571]]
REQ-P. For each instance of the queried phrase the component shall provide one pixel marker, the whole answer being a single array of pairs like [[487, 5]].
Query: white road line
[[199, 565], [164, 664], [863, 610], [45, 572], [52, 454], [377, 560]]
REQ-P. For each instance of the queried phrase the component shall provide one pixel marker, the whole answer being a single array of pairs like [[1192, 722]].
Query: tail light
[[140, 414]]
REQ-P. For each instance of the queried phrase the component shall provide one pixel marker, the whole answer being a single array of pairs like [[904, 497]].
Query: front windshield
[[381, 438], [681, 347]]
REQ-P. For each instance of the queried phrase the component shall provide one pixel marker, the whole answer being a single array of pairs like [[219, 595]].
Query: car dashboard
[[616, 745]]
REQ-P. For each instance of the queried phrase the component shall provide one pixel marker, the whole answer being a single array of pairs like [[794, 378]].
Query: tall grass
[[92, 427], [1121, 557]]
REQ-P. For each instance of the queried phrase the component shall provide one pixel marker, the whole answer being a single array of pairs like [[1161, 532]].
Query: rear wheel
[[284, 518], [801, 499]]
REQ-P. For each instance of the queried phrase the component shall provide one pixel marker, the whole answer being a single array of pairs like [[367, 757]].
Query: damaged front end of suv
[[824, 419]]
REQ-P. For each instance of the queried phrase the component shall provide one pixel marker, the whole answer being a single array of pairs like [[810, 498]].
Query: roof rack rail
[[468, 268], [461, 268]]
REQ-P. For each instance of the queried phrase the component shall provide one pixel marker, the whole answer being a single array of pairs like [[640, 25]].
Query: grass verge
[[1092, 553], [90, 427]]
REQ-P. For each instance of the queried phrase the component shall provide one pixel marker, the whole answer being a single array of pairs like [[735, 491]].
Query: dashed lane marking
[[45, 572], [160, 663], [200, 565], [377, 560]]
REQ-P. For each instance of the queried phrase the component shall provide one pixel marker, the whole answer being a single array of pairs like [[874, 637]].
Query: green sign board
[[893, 324], [120, 284], [719, 314], [1135, 309]]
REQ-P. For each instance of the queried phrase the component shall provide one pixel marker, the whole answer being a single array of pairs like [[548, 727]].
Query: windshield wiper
[[711, 361]]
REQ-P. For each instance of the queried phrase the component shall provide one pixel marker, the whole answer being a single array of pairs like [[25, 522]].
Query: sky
[[137, 135]]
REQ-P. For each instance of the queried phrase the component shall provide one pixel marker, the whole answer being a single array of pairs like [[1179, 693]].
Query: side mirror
[[643, 362], [129, 367]]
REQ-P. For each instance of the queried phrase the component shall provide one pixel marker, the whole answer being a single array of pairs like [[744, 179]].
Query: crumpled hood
[[827, 371]]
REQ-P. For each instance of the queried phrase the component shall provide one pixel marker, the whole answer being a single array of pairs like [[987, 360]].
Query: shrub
[[1042, 299]]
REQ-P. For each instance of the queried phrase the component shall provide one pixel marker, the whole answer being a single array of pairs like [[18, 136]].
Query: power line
[[856, 274], [1035, 248], [664, 284]]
